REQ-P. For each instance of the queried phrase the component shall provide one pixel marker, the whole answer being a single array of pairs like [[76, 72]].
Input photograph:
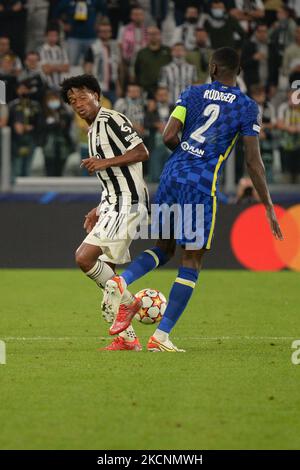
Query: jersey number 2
[[212, 111]]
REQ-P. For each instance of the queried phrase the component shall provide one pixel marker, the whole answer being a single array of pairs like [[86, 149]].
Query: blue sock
[[145, 262], [180, 294]]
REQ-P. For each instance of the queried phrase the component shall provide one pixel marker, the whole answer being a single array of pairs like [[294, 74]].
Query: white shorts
[[115, 231]]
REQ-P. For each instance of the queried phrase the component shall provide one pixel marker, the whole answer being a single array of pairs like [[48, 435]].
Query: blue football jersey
[[215, 115]]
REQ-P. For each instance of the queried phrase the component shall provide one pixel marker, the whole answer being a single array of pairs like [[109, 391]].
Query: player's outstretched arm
[[171, 132], [257, 174]]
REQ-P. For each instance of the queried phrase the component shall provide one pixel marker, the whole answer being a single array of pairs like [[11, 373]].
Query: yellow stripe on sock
[[150, 252], [185, 282]]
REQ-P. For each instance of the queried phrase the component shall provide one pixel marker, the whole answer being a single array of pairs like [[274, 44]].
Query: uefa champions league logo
[[2, 92], [2, 352]]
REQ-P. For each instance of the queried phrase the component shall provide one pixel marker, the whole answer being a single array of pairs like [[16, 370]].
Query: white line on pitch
[[195, 338]]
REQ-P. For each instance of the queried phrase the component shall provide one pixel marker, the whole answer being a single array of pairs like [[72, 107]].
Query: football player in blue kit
[[210, 118]]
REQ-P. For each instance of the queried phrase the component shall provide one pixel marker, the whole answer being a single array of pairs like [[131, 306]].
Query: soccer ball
[[153, 306]]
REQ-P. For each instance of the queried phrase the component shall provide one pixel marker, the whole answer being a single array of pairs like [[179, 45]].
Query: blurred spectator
[[222, 28], [254, 59], [268, 121], [150, 60], [3, 123], [185, 33], [247, 12], [5, 50], [117, 12], [3, 116], [24, 120], [178, 74], [159, 11], [103, 60], [180, 10], [291, 58], [54, 59], [37, 13], [132, 105], [289, 124], [199, 57], [56, 140], [132, 38], [281, 36], [295, 6], [79, 19], [156, 118], [33, 75], [13, 23], [7, 75], [271, 9]]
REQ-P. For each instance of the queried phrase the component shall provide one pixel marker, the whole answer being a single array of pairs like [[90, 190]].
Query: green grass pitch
[[235, 388]]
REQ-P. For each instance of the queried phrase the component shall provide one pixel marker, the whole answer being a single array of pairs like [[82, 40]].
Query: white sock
[[101, 272], [161, 336], [128, 334]]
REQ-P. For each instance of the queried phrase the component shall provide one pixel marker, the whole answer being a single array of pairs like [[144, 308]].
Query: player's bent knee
[[168, 247], [82, 261], [193, 258]]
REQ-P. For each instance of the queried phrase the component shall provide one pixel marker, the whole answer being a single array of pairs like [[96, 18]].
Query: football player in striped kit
[[116, 153]]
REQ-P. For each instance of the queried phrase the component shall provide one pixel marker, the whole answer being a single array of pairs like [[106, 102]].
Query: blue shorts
[[184, 213]]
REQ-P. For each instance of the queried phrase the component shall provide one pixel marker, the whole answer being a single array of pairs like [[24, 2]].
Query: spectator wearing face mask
[[24, 120], [223, 30], [185, 33], [57, 143], [178, 74]]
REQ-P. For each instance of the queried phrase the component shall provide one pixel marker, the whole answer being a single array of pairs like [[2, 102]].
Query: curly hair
[[80, 81]]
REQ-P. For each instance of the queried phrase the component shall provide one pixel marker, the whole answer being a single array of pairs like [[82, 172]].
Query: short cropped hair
[[80, 82], [227, 58]]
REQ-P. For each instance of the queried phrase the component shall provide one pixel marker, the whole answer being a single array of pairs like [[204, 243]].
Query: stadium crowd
[[143, 55]]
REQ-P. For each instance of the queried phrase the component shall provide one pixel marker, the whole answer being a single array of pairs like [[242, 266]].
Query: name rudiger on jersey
[[219, 96]]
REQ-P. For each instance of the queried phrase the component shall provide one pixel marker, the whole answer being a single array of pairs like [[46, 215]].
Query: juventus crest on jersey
[[111, 135]]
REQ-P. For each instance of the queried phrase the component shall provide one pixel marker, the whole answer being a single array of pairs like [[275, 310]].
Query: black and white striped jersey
[[177, 77], [54, 55], [111, 135]]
